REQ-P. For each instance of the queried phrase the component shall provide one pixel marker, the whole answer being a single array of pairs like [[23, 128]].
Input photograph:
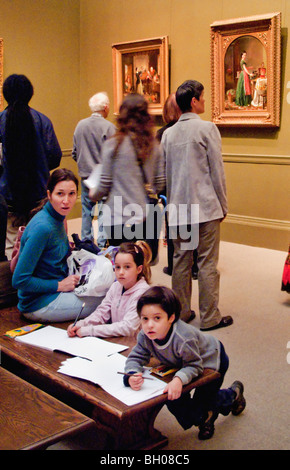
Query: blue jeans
[[65, 307], [191, 411], [88, 212]]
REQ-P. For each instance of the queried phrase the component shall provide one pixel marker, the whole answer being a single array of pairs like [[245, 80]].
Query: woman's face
[[63, 197]]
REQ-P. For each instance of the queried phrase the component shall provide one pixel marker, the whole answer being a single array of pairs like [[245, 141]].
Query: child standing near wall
[[117, 314], [182, 346]]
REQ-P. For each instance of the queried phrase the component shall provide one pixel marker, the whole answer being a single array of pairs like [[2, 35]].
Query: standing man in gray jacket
[[89, 135], [197, 203]]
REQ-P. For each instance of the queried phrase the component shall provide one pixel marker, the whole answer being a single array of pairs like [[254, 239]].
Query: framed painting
[[141, 67], [246, 71], [1, 75]]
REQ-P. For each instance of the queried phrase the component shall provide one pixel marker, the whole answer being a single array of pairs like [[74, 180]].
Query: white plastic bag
[[95, 271]]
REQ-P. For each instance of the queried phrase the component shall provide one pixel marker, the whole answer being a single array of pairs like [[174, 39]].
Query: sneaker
[[206, 429], [239, 403]]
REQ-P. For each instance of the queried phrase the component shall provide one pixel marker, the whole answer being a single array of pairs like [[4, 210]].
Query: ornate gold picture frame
[[246, 71], [141, 67], [1, 75]]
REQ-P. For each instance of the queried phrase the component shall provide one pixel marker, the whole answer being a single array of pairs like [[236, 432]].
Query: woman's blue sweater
[[42, 260]]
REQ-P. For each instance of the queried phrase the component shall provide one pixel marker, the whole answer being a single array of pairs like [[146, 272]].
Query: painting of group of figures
[[141, 74]]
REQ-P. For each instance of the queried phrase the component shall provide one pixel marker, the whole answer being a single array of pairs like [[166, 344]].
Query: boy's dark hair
[[186, 91], [163, 296]]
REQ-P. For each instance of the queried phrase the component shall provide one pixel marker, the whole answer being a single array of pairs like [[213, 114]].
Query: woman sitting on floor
[[45, 291]]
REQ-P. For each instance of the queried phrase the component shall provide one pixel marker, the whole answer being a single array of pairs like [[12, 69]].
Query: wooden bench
[[31, 419], [119, 426]]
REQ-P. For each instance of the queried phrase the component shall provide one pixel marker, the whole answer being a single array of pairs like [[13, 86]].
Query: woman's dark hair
[[20, 144], [61, 174], [162, 296], [186, 91], [171, 110], [135, 121]]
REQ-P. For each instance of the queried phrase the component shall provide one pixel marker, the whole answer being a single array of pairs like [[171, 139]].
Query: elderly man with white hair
[[89, 135]]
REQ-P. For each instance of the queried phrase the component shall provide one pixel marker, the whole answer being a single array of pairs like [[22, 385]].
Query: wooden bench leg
[[134, 432]]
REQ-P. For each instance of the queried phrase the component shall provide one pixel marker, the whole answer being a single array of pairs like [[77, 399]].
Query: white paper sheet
[[104, 372], [88, 347]]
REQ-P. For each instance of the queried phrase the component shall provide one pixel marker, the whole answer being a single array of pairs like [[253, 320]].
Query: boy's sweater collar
[[167, 339]]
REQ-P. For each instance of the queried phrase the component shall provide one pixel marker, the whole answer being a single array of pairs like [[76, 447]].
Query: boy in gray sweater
[[182, 346]]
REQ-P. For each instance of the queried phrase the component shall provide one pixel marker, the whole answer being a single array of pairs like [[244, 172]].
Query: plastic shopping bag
[[95, 271]]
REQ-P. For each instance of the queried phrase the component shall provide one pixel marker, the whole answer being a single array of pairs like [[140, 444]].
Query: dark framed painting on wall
[[141, 67], [246, 71]]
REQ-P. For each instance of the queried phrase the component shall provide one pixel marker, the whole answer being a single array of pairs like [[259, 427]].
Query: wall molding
[[236, 158], [66, 153], [261, 222], [238, 219], [257, 159]]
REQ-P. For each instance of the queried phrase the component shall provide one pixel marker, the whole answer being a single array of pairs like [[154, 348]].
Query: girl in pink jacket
[[117, 314]]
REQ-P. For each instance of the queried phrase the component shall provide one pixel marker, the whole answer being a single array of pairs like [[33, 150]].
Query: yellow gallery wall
[[64, 46], [257, 179], [41, 40]]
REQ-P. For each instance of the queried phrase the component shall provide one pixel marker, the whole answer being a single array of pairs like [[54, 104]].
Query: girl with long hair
[[117, 314]]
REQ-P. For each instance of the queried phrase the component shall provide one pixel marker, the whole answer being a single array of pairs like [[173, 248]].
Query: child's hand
[[136, 381], [173, 388], [73, 331]]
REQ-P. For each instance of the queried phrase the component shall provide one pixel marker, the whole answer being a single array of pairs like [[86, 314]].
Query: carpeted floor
[[256, 343]]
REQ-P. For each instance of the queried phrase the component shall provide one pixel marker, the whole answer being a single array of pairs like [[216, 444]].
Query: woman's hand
[[68, 283], [173, 388], [136, 381]]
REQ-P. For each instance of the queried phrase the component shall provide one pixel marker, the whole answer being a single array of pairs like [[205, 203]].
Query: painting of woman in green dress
[[243, 92]]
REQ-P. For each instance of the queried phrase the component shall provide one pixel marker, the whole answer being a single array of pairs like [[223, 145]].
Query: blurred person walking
[[130, 159], [89, 136]]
